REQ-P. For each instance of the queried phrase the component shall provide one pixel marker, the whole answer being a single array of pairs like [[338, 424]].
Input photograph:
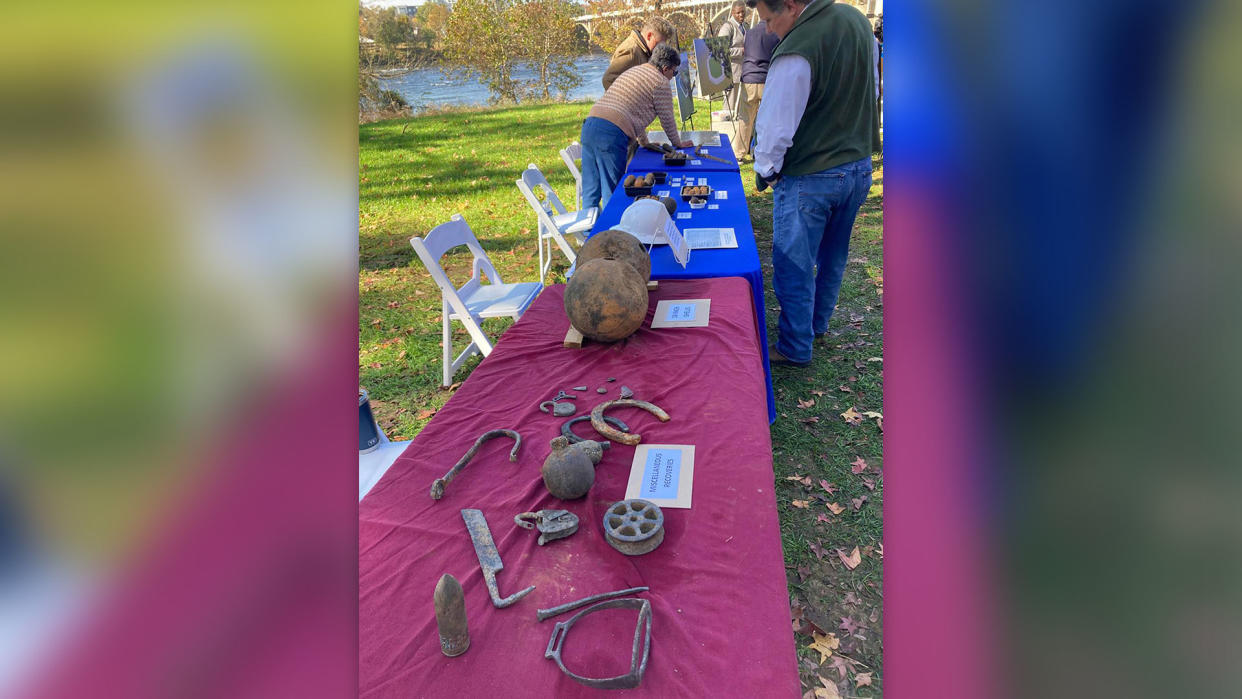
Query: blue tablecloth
[[645, 161], [731, 212]]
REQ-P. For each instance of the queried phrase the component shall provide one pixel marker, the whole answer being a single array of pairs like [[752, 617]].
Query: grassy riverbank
[[415, 173]]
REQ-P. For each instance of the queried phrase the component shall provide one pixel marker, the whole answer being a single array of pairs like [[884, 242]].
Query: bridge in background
[[704, 15]]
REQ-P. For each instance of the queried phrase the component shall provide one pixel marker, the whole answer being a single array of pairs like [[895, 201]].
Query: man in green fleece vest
[[816, 129]]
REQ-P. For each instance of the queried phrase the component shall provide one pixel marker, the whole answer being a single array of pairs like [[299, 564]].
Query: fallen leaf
[[880, 549], [862, 679], [821, 517], [805, 403], [424, 414], [875, 359], [869, 483], [795, 477], [858, 502], [375, 365], [802, 504], [828, 690], [848, 625], [827, 486], [851, 416], [817, 393], [818, 549], [824, 644], [859, 464], [809, 420], [841, 664], [851, 598], [845, 388], [377, 321], [401, 355], [852, 560], [835, 508], [803, 573], [874, 415]]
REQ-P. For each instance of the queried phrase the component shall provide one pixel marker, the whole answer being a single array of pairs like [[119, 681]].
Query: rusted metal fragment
[[489, 557], [451, 617], [545, 614], [439, 484], [642, 639], [626, 392], [597, 419]]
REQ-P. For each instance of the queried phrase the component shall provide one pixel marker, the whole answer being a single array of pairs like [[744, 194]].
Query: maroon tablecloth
[[720, 623]]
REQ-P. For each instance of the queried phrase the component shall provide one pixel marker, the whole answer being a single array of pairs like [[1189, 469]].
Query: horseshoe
[[568, 432], [597, 419]]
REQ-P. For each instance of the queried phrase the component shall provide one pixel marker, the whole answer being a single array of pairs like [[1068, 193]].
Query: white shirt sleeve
[[785, 94]]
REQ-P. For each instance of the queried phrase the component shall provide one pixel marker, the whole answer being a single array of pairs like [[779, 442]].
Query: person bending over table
[[639, 95]]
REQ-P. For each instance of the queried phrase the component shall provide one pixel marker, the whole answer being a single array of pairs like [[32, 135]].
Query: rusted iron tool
[[439, 484], [489, 557], [642, 637], [545, 614], [597, 419]]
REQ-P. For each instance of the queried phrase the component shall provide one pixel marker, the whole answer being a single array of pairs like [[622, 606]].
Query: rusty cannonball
[[617, 245], [606, 300]]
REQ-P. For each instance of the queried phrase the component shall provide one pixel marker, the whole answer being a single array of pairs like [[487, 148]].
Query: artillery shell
[[451, 616]]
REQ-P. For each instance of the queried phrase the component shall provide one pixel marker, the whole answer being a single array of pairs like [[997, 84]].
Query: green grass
[[415, 173]]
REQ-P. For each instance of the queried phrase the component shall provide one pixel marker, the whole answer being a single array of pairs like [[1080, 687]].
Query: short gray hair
[[738, 3], [664, 56], [774, 6]]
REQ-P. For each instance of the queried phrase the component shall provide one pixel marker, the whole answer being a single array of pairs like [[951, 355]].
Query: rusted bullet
[[451, 616]]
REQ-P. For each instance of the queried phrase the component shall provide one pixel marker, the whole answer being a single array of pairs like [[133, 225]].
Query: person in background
[[817, 127], [734, 28], [636, 49], [621, 116], [758, 52]]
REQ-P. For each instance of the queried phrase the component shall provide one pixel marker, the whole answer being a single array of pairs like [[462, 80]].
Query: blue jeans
[[604, 147], [812, 216]]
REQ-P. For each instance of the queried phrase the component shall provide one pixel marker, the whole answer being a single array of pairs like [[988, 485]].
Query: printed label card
[[662, 474], [682, 313]]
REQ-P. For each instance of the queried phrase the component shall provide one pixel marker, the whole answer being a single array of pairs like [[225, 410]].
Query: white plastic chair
[[571, 155], [555, 222], [474, 300]]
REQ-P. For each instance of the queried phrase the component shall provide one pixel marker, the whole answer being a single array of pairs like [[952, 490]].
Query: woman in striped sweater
[[635, 99]]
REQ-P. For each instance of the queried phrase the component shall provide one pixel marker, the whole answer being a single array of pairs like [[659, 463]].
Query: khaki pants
[[751, 95]]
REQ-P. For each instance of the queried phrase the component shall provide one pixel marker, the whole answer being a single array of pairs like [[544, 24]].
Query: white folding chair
[[474, 300], [555, 222], [571, 155]]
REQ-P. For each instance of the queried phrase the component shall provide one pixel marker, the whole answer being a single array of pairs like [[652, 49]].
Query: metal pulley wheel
[[634, 526]]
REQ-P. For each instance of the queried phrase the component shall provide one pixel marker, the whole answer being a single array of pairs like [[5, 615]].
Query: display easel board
[[682, 313], [662, 474]]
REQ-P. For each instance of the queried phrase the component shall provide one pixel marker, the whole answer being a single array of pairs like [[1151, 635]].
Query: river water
[[432, 87]]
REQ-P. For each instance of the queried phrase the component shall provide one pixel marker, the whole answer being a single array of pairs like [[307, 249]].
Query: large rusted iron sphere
[[617, 245], [606, 300]]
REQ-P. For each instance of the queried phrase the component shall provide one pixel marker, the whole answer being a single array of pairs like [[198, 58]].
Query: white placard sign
[[683, 214], [682, 313], [677, 243], [662, 474], [722, 194]]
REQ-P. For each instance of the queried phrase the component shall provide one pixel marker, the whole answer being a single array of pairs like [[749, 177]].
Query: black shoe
[[775, 358]]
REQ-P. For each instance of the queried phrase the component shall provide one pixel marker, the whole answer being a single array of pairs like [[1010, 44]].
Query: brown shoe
[[775, 358]]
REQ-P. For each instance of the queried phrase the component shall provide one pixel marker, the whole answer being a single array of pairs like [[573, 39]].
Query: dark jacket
[[758, 53], [631, 52]]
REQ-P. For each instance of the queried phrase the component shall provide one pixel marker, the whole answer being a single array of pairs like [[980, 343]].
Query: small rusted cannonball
[[617, 245], [606, 300], [568, 472]]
